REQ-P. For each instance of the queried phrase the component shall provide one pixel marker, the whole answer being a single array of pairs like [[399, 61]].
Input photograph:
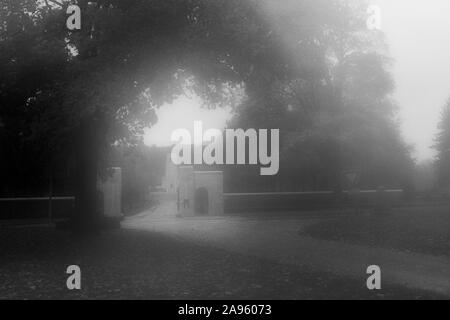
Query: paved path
[[281, 240]]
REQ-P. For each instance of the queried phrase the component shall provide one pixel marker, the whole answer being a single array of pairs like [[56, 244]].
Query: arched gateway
[[198, 192]]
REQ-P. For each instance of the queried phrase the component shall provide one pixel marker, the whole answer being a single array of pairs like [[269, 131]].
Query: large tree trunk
[[86, 218]]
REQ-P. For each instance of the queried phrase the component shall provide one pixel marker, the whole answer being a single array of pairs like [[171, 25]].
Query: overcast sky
[[181, 115], [418, 34]]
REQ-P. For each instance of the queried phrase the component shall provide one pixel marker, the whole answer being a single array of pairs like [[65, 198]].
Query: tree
[[302, 64], [335, 109], [442, 147], [77, 92], [32, 56]]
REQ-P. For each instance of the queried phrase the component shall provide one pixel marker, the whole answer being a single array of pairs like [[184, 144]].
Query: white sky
[[418, 34], [181, 115]]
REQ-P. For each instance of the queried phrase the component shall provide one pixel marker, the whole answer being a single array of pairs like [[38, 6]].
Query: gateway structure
[[197, 192]]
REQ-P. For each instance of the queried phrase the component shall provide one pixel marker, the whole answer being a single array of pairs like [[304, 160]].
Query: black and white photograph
[[223, 156]]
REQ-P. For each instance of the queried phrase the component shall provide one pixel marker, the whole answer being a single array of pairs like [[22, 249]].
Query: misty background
[[85, 122], [345, 98], [417, 34]]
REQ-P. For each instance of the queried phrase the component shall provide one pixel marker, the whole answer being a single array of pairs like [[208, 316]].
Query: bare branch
[[56, 2]]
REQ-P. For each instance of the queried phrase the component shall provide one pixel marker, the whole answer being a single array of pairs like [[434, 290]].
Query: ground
[[163, 257], [423, 230], [127, 264]]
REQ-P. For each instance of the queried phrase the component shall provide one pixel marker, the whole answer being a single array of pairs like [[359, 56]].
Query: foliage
[[308, 67], [335, 109]]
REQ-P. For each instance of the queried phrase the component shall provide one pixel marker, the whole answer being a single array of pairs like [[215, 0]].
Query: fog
[[418, 35]]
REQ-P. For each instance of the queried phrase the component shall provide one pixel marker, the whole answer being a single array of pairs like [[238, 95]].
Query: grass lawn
[[420, 229], [127, 264]]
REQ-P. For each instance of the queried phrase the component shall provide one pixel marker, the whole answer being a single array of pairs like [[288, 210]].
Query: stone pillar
[[111, 190]]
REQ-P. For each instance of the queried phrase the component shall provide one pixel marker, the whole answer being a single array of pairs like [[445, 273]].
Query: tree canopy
[[308, 67]]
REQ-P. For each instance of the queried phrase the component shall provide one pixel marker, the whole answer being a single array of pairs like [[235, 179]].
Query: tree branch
[[56, 2]]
